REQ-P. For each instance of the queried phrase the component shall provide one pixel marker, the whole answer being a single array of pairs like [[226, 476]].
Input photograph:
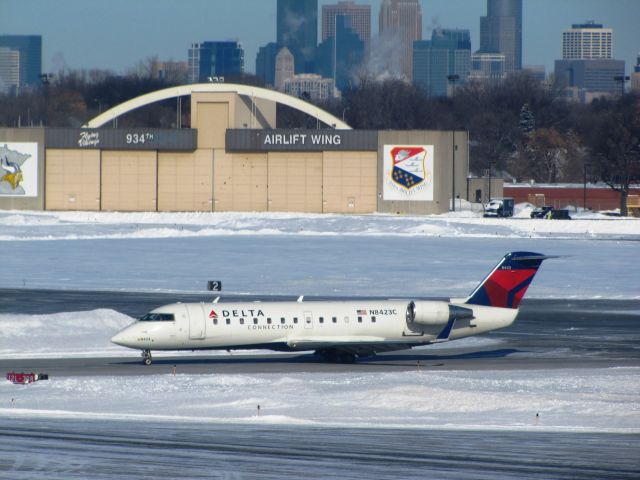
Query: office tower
[[309, 86], [501, 31], [537, 72], [447, 53], [587, 69], [359, 20], [635, 76], [297, 29], [266, 63], [9, 70], [285, 67], [401, 20], [340, 56], [29, 48], [586, 41], [487, 67], [588, 79], [215, 59]]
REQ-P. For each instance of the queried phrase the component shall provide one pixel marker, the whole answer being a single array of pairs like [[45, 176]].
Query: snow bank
[[118, 225], [567, 400]]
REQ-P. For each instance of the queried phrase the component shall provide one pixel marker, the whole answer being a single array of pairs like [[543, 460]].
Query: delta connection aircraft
[[339, 331]]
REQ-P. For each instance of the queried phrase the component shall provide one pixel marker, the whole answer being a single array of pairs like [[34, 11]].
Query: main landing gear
[[336, 356], [146, 357]]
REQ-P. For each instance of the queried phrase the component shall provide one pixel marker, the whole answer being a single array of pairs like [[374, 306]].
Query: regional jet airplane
[[339, 331]]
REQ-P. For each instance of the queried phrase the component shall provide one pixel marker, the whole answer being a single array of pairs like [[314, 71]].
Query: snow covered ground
[[293, 254], [604, 400], [265, 253]]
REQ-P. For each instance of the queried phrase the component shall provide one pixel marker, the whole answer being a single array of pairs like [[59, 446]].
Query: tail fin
[[507, 283]]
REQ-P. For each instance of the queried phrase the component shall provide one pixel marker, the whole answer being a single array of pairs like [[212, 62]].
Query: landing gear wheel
[[146, 357]]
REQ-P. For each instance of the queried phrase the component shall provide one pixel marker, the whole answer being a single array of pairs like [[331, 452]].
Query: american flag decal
[[362, 312], [213, 314]]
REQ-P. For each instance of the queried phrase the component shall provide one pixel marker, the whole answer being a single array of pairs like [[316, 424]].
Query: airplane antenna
[[215, 300], [300, 298]]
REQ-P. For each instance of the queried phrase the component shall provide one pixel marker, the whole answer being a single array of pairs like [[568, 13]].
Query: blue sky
[[116, 34]]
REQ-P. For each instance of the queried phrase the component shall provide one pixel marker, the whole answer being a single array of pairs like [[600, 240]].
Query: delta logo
[[213, 314]]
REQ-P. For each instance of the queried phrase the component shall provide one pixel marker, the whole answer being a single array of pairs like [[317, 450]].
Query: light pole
[[622, 79], [452, 79], [45, 78]]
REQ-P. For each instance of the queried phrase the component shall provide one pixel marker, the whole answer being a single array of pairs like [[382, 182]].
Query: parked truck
[[499, 207]]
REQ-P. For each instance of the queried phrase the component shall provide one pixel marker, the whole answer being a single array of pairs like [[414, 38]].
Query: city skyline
[[125, 34]]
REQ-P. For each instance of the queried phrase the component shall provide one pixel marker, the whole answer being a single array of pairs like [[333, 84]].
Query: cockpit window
[[157, 317]]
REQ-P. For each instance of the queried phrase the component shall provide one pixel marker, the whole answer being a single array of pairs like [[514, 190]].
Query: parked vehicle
[[541, 212], [550, 213], [499, 207]]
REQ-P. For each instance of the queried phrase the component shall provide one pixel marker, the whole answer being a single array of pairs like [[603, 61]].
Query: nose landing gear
[[146, 357]]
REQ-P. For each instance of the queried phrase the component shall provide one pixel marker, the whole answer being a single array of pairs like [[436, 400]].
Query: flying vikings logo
[[408, 166]]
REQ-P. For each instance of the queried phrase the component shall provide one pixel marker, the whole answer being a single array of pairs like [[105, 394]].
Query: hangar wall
[[442, 175], [234, 160], [25, 147]]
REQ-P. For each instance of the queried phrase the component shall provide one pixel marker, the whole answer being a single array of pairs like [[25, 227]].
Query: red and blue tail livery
[[507, 283]]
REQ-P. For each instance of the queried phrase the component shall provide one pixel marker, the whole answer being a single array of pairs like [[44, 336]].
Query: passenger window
[[242, 321], [282, 320], [373, 319], [269, 321], [334, 319], [359, 319], [228, 321], [255, 321], [295, 319], [321, 319], [215, 321]]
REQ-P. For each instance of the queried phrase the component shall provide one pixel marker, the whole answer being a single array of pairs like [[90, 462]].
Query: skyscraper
[[297, 29], [29, 48], [285, 67], [9, 70], [501, 31], [635, 76], [587, 69], [447, 53], [341, 55], [266, 63], [359, 19], [214, 59], [586, 41], [401, 20]]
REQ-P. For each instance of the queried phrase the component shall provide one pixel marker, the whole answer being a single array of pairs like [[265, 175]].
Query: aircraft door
[[197, 322], [308, 320]]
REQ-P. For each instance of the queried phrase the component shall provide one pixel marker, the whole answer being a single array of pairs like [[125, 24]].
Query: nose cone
[[124, 338]]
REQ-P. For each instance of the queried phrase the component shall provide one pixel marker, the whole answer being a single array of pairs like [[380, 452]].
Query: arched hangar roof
[[247, 90]]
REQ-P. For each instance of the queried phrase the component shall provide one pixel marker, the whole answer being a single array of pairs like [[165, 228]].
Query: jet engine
[[430, 313]]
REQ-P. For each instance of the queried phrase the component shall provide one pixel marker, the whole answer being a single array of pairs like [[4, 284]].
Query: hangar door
[[129, 180], [72, 179], [295, 182], [185, 180]]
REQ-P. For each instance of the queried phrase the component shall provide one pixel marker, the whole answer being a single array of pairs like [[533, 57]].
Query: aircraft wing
[[361, 346]]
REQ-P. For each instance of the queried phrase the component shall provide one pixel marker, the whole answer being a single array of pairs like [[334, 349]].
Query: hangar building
[[231, 159]]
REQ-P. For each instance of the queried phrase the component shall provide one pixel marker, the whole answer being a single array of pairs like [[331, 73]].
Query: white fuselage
[[300, 325]]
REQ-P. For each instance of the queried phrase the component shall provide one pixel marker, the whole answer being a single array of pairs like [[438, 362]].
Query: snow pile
[[116, 225], [567, 400], [69, 334]]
